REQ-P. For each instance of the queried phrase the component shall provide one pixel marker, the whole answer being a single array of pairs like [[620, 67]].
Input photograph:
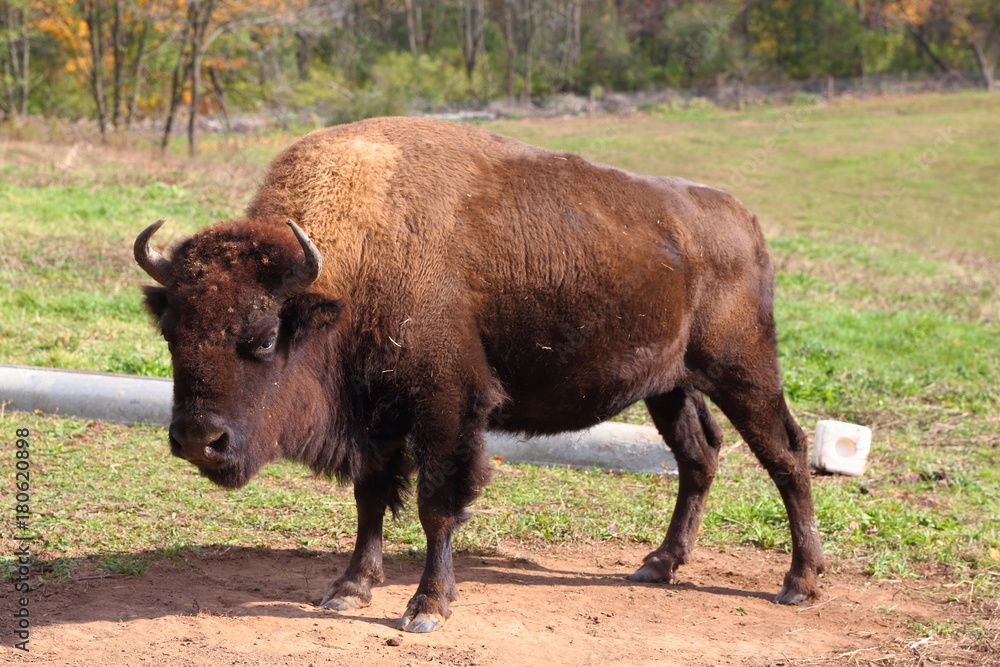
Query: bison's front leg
[[372, 495], [445, 488], [429, 607]]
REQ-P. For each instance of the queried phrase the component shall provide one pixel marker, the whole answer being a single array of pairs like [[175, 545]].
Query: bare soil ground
[[567, 605]]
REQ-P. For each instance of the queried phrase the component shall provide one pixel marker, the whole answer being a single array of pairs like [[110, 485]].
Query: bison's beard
[[229, 477], [232, 475]]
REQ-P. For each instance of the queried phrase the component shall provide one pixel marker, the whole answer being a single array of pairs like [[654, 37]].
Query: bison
[[399, 286]]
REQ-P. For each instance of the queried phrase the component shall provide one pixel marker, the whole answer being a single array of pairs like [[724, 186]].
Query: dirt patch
[[564, 606]]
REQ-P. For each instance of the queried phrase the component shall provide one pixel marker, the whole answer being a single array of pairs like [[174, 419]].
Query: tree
[[700, 37], [15, 56], [106, 44], [508, 13], [558, 24], [205, 21], [473, 19], [808, 38], [974, 23], [119, 59], [199, 18], [526, 29], [520, 22], [414, 26], [977, 23], [572, 14]]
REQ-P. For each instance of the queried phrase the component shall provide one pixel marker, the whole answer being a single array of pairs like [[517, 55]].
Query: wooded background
[[119, 62]]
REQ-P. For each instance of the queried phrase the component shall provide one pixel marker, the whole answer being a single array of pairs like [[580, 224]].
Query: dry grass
[[227, 171]]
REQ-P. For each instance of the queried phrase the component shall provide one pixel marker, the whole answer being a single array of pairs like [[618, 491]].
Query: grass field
[[882, 221]]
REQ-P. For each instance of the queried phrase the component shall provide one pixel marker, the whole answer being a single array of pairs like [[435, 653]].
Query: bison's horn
[[307, 272], [151, 261]]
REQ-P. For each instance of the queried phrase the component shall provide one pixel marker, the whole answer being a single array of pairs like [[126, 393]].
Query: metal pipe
[[131, 399]]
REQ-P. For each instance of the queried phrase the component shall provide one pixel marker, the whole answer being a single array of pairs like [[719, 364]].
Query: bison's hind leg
[[762, 417], [690, 430]]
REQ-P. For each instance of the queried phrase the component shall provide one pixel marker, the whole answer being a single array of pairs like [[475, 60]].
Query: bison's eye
[[268, 344], [263, 346]]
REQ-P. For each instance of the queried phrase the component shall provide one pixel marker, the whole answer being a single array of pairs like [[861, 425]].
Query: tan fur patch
[[350, 180], [339, 194]]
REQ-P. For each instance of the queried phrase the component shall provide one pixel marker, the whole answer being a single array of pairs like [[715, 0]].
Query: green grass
[[65, 252], [113, 493], [920, 171], [875, 343], [891, 320]]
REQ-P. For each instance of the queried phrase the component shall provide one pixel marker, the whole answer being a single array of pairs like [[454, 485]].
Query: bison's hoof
[[646, 575], [653, 571], [346, 594], [343, 602], [786, 596], [423, 614], [420, 623], [798, 589]]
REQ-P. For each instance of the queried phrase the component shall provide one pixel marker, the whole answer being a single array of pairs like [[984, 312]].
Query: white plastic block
[[841, 447]]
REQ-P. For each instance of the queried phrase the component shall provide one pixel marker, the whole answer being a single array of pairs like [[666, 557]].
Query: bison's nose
[[201, 439]]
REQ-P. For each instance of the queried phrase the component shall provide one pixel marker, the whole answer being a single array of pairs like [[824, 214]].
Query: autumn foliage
[[124, 61]]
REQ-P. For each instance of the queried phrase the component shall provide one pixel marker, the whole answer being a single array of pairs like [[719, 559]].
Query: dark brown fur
[[472, 282]]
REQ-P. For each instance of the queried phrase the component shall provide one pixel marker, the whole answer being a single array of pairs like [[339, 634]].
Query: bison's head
[[238, 316]]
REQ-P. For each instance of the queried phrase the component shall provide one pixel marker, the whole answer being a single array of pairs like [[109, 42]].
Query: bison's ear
[[308, 312], [156, 300]]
